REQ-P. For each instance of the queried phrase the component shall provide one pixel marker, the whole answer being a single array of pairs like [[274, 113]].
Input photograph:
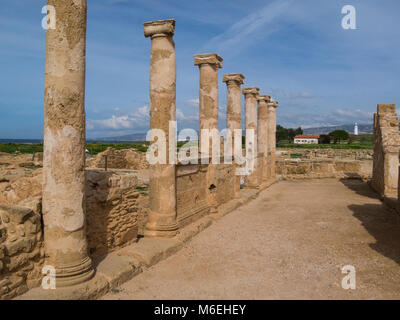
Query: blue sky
[[294, 50]]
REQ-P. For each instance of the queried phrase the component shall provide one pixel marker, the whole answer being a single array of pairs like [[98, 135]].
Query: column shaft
[[250, 105], [272, 139], [208, 108], [162, 218], [234, 113], [262, 134], [64, 145]]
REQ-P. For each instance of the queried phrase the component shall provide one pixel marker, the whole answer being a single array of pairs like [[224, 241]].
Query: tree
[[339, 135], [324, 139]]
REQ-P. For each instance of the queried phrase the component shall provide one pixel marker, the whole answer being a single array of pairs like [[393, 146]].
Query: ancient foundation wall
[[315, 169], [339, 154]]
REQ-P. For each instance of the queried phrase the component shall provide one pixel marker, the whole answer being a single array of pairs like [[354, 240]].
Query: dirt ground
[[289, 243]]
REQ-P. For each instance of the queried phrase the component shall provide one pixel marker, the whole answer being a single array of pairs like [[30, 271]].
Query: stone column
[[250, 105], [234, 112], [162, 218], [271, 139], [262, 134], [209, 64], [64, 145]]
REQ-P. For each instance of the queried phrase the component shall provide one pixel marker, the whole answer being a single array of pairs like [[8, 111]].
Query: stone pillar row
[[64, 134]]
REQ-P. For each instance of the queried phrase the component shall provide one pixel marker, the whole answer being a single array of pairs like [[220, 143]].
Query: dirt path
[[289, 243]]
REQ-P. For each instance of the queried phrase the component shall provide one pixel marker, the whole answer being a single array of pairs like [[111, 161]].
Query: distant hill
[[362, 129], [134, 137]]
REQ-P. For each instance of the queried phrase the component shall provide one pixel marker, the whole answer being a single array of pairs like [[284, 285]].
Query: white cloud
[[245, 31]]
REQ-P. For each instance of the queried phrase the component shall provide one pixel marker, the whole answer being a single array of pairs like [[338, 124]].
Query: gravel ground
[[289, 243]]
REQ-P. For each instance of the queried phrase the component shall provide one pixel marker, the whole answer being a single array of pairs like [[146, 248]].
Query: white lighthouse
[[356, 129]]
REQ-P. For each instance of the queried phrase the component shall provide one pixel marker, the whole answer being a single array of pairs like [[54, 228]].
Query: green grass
[[21, 147], [93, 147], [326, 146]]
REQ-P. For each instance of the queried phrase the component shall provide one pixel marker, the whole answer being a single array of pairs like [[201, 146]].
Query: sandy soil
[[289, 243]]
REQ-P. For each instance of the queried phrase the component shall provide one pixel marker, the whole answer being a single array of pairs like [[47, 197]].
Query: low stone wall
[[119, 159], [191, 197], [289, 169], [337, 154]]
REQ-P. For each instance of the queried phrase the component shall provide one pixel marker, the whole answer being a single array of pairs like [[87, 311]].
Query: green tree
[[324, 139], [339, 136]]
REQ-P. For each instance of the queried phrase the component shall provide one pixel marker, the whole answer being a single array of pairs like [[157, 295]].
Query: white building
[[356, 129], [306, 139]]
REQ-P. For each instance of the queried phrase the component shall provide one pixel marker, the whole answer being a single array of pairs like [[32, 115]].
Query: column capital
[[251, 90], [274, 104], [159, 28], [264, 97], [208, 58], [235, 77]]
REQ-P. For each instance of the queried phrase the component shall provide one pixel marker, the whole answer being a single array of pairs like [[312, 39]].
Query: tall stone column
[[262, 133], [162, 218], [209, 64], [234, 113], [64, 145], [250, 105], [272, 139]]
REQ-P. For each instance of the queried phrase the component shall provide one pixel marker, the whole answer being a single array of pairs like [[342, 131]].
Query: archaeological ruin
[[92, 221]]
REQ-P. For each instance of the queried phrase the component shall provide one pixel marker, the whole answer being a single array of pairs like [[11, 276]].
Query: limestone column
[[234, 112], [250, 105], [271, 139], [162, 218], [209, 64], [262, 134], [64, 145]]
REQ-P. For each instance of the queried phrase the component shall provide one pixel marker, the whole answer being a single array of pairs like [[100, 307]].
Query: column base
[[161, 229], [69, 275]]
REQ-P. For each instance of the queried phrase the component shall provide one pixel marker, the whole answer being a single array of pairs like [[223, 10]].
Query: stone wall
[[191, 195], [119, 159], [289, 169], [339, 154], [386, 151], [116, 208], [21, 249]]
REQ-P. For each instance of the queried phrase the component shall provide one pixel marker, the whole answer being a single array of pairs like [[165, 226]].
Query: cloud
[[334, 118], [246, 30], [297, 95], [194, 103]]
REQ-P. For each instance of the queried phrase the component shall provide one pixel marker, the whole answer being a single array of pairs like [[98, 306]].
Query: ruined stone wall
[[21, 249], [314, 169], [116, 208], [339, 154], [225, 183], [119, 159], [386, 151]]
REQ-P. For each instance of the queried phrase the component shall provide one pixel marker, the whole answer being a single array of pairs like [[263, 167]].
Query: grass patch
[[326, 146], [93, 147]]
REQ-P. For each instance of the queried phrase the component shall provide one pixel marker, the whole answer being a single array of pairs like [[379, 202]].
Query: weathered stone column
[[250, 105], [262, 133], [64, 145], [385, 171], [234, 112], [209, 64], [162, 218], [271, 139]]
